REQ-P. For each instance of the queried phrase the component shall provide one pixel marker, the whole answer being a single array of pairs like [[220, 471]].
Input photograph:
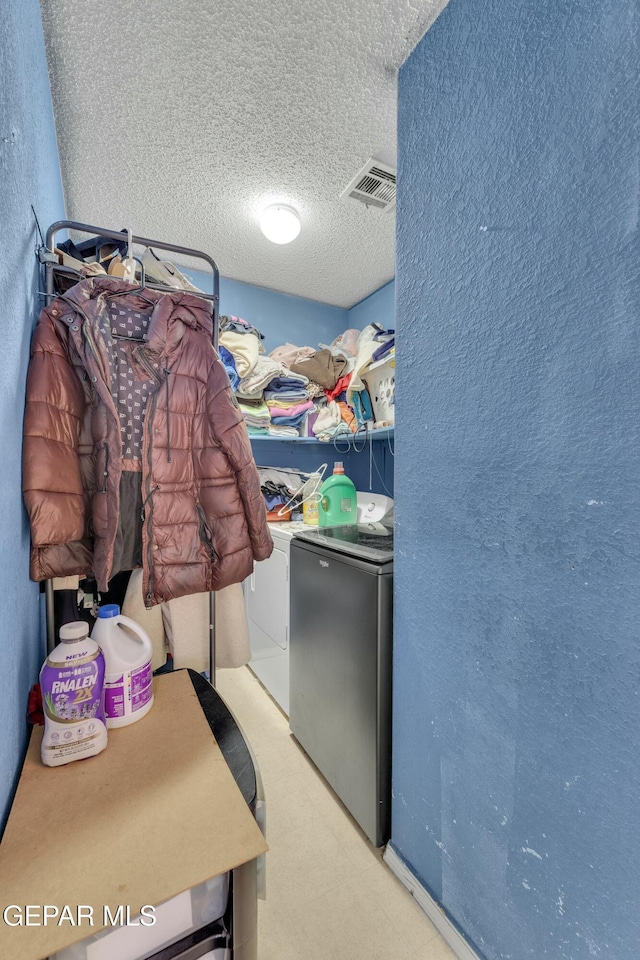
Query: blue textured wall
[[282, 317], [517, 653], [279, 316], [378, 307], [29, 174]]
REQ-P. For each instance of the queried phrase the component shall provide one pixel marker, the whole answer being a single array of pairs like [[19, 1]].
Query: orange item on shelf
[[279, 515]]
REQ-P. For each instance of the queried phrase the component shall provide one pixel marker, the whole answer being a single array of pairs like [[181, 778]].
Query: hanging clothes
[[181, 627], [190, 476]]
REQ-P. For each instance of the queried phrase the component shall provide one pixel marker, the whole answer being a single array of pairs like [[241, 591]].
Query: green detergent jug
[[337, 505]]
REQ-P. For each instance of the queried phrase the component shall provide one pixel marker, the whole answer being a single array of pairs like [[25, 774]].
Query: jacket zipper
[[148, 514], [154, 374], [146, 500], [205, 533], [106, 467], [167, 372]]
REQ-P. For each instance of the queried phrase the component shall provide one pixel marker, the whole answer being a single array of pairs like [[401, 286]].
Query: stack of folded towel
[[301, 390], [287, 401], [265, 370], [256, 416], [285, 393]]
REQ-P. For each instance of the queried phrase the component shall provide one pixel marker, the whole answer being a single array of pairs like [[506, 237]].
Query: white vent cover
[[374, 185]]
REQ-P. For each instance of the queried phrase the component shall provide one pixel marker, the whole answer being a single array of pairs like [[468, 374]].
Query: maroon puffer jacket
[[193, 492]]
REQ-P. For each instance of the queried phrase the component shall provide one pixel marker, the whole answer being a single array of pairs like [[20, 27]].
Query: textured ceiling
[[182, 120]]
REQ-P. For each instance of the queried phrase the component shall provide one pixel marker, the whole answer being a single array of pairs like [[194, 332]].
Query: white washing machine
[[266, 594]]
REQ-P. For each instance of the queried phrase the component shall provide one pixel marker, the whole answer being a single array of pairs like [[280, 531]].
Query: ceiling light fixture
[[280, 224]]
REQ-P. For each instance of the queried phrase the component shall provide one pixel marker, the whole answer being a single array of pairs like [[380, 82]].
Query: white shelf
[[383, 434]]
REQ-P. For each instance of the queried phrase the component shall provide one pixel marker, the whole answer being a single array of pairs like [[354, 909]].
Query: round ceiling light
[[280, 224]]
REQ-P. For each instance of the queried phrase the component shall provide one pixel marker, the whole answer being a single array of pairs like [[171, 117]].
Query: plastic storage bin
[[184, 914], [217, 920], [380, 379]]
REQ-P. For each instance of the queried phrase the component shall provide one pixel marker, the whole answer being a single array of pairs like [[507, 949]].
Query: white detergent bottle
[[71, 681], [128, 684]]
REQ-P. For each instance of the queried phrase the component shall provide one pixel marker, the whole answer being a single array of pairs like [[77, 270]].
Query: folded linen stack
[[256, 416], [265, 370], [282, 430], [287, 401], [305, 391], [322, 368]]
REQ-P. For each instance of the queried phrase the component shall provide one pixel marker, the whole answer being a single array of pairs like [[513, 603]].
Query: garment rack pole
[[50, 265]]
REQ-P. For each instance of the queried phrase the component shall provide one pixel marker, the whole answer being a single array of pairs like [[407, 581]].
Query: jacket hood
[[168, 315]]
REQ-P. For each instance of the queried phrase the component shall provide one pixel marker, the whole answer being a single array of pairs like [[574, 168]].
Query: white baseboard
[[425, 901]]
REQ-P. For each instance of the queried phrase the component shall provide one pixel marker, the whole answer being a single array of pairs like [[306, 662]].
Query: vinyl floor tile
[[330, 896]]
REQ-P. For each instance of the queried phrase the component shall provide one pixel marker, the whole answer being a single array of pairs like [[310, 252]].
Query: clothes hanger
[[138, 291], [129, 271], [129, 263]]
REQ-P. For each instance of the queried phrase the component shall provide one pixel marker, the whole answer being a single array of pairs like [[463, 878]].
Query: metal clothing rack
[[47, 256]]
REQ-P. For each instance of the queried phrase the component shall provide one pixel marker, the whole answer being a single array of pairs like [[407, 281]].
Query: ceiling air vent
[[374, 185]]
